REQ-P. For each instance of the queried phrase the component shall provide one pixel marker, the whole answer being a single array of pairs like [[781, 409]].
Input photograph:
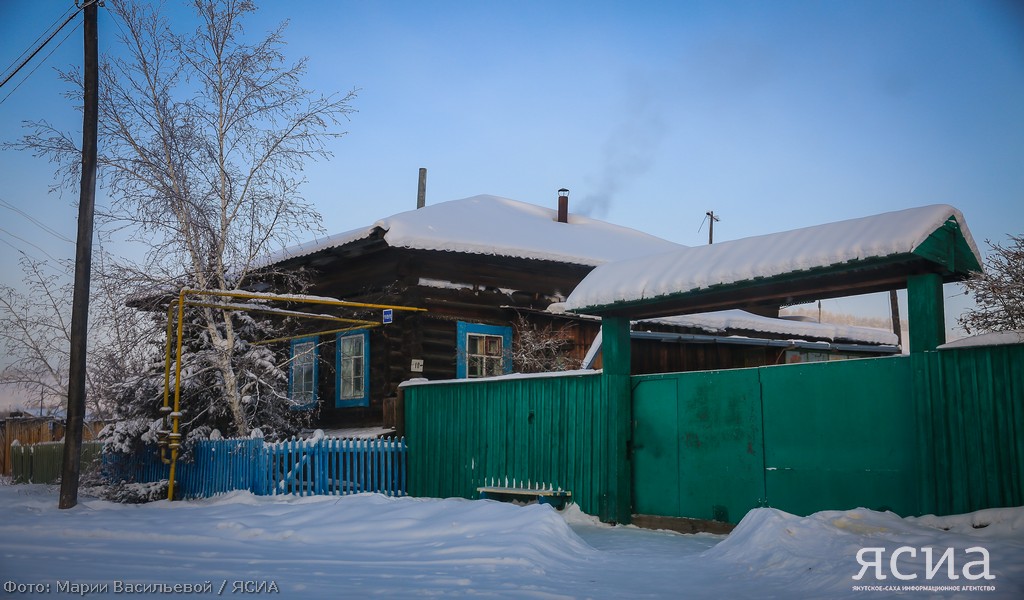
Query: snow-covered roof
[[691, 269], [724, 321], [729, 321], [997, 338], [498, 226]]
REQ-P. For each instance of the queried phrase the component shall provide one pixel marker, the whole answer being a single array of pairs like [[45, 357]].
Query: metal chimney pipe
[[421, 191], [563, 205]]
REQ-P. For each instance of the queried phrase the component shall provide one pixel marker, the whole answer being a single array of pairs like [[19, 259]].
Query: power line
[[2, 230], [42, 226], [41, 46], [36, 41], [59, 44]]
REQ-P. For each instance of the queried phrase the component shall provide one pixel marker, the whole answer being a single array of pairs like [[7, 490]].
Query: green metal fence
[[698, 444], [803, 438], [545, 432], [970, 406], [937, 432], [840, 435]]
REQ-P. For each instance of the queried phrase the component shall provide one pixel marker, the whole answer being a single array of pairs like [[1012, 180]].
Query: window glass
[[482, 350], [351, 362], [303, 372], [484, 355]]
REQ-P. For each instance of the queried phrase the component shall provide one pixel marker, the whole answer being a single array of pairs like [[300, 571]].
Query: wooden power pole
[[72, 466], [894, 311], [711, 226]]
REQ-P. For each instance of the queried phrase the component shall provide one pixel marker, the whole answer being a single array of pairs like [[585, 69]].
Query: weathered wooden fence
[[320, 466], [40, 463], [33, 430]]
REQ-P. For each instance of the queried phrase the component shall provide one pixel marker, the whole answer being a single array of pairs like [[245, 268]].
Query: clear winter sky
[[775, 115]]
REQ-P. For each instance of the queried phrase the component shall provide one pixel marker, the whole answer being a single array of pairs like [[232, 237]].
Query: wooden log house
[[484, 267]]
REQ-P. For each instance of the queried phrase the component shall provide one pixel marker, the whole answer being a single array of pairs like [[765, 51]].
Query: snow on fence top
[[690, 269], [499, 226]]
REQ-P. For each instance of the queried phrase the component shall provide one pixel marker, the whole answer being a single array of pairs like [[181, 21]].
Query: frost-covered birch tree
[[35, 330], [202, 138], [35, 334], [998, 291]]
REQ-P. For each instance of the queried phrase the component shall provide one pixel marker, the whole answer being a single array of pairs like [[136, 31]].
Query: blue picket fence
[[324, 466]]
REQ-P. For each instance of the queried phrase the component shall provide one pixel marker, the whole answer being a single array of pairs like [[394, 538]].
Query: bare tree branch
[[998, 291]]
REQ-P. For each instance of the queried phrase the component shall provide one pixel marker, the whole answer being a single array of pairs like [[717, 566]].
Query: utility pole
[[711, 226], [421, 189], [894, 311], [72, 466]]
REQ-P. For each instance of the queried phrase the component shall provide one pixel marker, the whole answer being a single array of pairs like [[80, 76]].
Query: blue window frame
[[483, 350], [352, 369], [302, 373]]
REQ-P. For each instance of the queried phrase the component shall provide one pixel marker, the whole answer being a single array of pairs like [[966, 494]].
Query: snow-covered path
[[372, 546]]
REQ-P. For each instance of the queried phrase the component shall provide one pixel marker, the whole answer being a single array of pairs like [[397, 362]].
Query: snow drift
[[370, 545]]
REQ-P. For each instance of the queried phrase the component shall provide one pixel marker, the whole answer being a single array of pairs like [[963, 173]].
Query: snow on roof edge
[[497, 226], [716, 322], [318, 244], [996, 338], [764, 256]]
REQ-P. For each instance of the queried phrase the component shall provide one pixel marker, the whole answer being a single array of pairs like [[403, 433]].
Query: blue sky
[[775, 115]]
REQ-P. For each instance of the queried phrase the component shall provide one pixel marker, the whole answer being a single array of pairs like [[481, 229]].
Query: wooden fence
[[324, 466], [41, 463], [34, 430]]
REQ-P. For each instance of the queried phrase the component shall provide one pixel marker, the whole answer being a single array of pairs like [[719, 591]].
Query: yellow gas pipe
[[174, 437]]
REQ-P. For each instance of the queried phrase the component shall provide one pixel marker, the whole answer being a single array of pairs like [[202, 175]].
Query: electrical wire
[[38, 224], [59, 44], [36, 41], [41, 46], [2, 230]]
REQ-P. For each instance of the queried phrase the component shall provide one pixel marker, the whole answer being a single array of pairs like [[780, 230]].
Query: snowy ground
[[372, 546]]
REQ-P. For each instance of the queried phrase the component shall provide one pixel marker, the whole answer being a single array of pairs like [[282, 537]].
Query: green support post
[[926, 312], [617, 494]]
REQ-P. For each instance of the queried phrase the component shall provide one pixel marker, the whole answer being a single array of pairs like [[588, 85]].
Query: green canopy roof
[[839, 259]]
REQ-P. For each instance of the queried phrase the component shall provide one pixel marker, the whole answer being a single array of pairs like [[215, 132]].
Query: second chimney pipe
[[563, 205], [421, 190]]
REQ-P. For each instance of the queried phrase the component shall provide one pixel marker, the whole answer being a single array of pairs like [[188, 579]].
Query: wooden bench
[[556, 498]]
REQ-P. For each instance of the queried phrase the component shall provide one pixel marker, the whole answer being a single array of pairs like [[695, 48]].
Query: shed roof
[[844, 258]]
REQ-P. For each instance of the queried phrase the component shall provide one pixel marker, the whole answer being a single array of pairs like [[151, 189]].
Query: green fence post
[[926, 312], [616, 493]]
